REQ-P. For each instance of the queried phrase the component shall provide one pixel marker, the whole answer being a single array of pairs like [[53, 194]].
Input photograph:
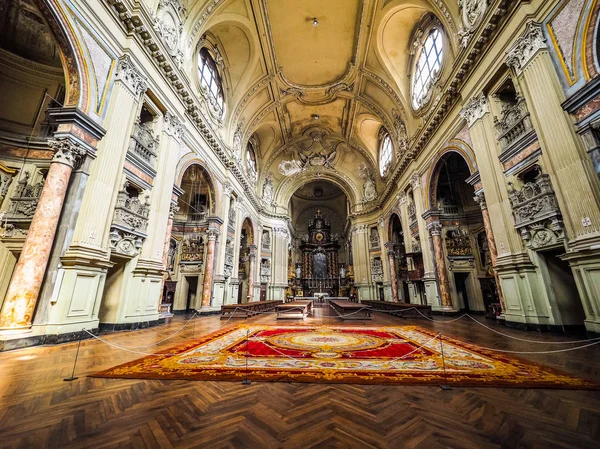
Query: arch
[[287, 188], [456, 146], [192, 159], [393, 221], [248, 224], [72, 54]]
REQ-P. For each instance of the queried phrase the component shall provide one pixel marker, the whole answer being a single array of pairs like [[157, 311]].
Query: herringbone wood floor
[[39, 410]]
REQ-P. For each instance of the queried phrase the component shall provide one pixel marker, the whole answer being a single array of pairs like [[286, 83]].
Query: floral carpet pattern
[[373, 355]]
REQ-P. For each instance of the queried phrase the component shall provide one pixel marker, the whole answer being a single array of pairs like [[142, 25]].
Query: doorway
[[191, 293], [563, 286], [460, 280]]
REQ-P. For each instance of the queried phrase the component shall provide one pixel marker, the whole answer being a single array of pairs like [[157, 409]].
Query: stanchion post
[[72, 377], [247, 381], [445, 386]]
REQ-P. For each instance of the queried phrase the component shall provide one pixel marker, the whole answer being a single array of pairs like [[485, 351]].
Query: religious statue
[[369, 188], [268, 189]]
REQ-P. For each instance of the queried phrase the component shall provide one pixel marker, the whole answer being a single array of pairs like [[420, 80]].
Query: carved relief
[[514, 122], [472, 12], [130, 221], [168, 24], [25, 199], [374, 238], [265, 271], [229, 259], [369, 187], [316, 150], [376, 269], [536, 212]]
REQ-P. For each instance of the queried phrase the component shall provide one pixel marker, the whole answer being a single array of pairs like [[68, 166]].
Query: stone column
[[487, 224], [435, 230], [389, 246], [280, 241], [251, 270], [209, 263], [23, 291]]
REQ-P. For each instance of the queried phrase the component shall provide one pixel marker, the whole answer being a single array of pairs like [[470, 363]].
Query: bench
[[400, 309], [294, 310], [248, 309], [348, 310]]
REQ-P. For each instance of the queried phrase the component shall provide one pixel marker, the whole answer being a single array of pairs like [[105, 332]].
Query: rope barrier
[[534, 341]]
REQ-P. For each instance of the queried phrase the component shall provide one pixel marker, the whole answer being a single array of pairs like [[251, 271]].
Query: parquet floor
[[39, 410]]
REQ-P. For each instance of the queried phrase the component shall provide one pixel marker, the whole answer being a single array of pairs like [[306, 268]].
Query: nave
[[40, 410]]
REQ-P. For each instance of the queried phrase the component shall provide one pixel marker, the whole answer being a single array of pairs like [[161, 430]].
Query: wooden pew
[[248, 309], [348, 310], [400, 309], [294, 310]]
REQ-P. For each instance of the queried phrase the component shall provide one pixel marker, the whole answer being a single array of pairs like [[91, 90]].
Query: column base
[[38, 337], [115, 327], [209, 310]]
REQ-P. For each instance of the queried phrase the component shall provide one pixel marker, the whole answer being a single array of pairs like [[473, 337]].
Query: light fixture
[[315, 22], [315, 116]]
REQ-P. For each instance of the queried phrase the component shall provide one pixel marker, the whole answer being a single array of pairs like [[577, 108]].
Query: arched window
[[211, 80], [251, 160], [385, 153], [428, 67]]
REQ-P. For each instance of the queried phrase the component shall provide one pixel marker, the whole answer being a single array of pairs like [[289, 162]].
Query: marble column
[[435, 230], [23, 291], [487, 224], [393, 277], [251, 270], [209, 263]]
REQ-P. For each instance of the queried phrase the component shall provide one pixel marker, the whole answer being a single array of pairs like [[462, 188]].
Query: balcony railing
[[514, 123], [143, 143]]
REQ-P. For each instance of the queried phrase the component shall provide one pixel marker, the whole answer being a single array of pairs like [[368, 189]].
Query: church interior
[[299, 223]]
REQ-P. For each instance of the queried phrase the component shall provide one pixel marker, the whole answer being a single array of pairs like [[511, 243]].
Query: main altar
[[319, 269]]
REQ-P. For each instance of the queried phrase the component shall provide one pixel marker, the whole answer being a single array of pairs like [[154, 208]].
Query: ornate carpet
[[372, 355]]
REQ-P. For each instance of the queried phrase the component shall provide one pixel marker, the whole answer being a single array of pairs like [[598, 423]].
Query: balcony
[[129, 225], [143, 146], [536, 212], [514, 127]]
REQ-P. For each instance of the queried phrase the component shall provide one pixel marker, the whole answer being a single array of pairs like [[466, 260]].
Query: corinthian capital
[[526, 47], [480, 199], [475, 109], [66, 151], [131, 77], [173, 126], [212, 234], [435, 228]]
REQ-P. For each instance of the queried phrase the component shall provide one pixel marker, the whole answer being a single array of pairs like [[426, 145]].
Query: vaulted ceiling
[[305, 90]]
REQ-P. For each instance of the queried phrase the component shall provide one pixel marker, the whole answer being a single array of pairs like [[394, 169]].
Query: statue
[[268, 189], [369, 188]]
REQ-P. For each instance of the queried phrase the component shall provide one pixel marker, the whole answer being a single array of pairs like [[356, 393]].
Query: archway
[[396, 252], [246, 263], [466, 256], [319, 215], [188, 241]]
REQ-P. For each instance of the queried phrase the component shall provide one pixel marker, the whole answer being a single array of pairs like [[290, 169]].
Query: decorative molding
[[526, 47], [475, 109], [131, 77], [435, 229], [479, 198], [174, 126], [66, 151]]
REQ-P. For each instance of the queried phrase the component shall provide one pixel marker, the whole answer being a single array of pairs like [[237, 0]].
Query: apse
[[319, 216]]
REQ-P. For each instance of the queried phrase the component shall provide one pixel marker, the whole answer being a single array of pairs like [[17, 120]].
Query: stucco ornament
[[472, 12], [369, 187], [168, 23], [267, 193]]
